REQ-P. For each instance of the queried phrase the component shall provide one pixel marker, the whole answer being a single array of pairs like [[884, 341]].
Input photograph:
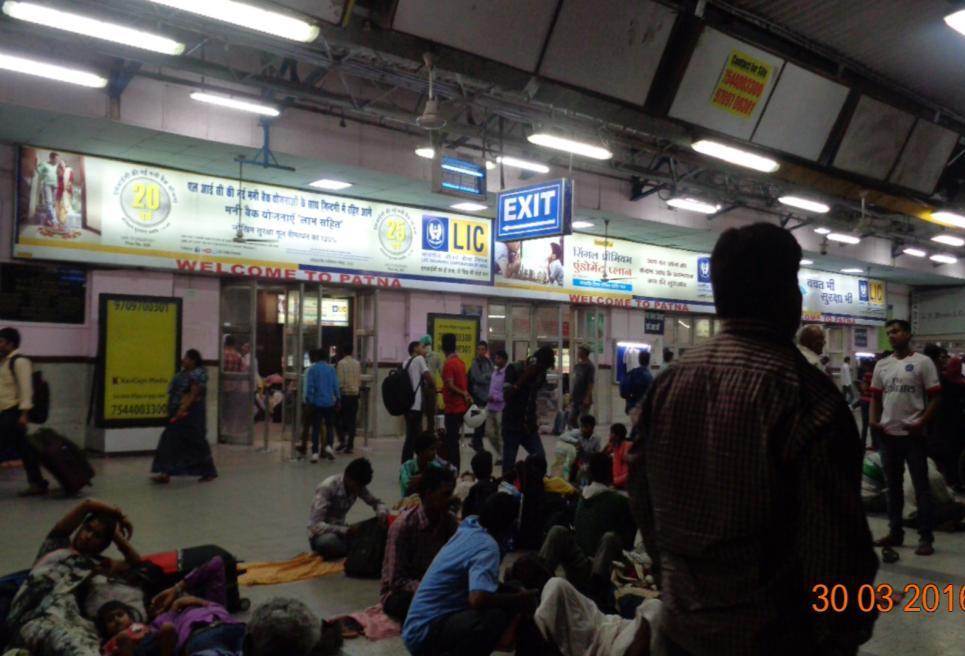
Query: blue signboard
[[541, 210]]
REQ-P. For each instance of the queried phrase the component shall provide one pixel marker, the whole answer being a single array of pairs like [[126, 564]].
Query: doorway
[[274, 328]]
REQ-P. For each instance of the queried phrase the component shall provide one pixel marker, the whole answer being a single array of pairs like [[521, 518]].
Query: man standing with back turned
[[745, 480], [901, 385]]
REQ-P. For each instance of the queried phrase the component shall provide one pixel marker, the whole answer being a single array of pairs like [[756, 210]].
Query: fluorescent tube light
[[468, 206], [556, 142], [852, 270], [330, 185], [582, 224], [807, 262], [455, 168], [235, 103], [693, 205], [86, 26], [864, 354], [735, 156], [490, 165], [804, 204], [956, 21], [526, 165], [426, 152], [943, 259], [844, 239], [248, 16], [914, 252], [51, 71], [950, 240], [949, 218], [823, 231]]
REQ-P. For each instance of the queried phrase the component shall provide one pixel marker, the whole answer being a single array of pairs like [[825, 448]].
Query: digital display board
[[459, 177]]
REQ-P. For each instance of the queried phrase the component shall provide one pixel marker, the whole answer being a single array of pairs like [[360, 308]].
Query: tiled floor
[[258, 510]]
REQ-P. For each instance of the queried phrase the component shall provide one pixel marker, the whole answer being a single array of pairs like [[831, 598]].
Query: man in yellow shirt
[[349, 373]]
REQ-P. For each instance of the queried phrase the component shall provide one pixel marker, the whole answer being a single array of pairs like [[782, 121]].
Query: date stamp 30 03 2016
[[913, 598]]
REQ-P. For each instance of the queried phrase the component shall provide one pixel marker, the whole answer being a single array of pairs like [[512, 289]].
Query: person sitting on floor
[[575, 626], [45, 615], [458, 607], [283, 626], [329, 535], [588, 443], [425, 456], [602, 529], [618, 448], [416, 536], [485, 485]]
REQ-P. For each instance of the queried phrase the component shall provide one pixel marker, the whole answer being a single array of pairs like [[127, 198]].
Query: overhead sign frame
[[460, 177], [535, 211]]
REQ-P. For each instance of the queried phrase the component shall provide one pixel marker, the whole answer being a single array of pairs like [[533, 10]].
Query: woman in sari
[[183, 449]]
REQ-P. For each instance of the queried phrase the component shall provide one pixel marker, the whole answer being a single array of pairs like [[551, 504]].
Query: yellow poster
[[140, 351], [466, 330], [742, 84]]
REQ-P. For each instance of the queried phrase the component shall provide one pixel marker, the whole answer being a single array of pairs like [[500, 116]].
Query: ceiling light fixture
[[804, 204], [330, 185], [468, 206], [852, 270], [823, 231], [86, 26], [490, 165], [51, 71], [582, 225], [556, 142], [956, 21], [230, 102], [844, 239], [807, 262], [950, 240], [736, 156], [941, 258], [526, 165], [949, 218], [248, 16], [693, 205], [914, 252], [427, 152]]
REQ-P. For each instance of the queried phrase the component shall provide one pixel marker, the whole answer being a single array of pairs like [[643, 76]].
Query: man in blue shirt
[[457, 608], [322, 393]]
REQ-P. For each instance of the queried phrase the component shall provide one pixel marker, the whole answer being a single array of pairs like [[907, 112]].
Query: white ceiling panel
[[801, 112], [619, 56], [874, 138], [698, 100], [924, 157], [331, 11], [509, 31]]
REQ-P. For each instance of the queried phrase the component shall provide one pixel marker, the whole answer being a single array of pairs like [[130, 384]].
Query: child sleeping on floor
[[182, 624]]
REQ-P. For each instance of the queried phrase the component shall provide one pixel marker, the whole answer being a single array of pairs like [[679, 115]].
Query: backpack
[[397, 393], [367, 550], [41, 394]]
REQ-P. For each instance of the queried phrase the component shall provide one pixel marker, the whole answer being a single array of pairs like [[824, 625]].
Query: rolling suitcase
[[63, 459]]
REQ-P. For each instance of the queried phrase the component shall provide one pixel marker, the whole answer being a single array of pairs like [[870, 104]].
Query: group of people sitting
[[75, 602], [444, 552]]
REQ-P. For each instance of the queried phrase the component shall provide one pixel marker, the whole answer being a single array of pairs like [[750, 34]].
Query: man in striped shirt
[[746, 478]]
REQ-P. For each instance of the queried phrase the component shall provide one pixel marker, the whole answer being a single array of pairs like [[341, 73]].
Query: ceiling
[[19, 125], [904, 41]]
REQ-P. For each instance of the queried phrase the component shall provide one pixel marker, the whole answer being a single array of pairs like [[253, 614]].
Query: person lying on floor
[[416, 536], [458, 607], [425, 456], [603, 528], [576, 627], [329, 535], [45, 615], [198, 620]]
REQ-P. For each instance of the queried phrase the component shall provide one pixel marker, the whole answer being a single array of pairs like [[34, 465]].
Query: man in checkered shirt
[[746, 480]]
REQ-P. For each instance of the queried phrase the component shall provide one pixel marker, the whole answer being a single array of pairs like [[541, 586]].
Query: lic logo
[[703, 269], [435, 233]]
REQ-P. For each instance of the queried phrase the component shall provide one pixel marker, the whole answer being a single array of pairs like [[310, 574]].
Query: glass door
[[239, 378]]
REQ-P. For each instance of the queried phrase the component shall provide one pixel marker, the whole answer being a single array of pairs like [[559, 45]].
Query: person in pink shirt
[[618, 448]]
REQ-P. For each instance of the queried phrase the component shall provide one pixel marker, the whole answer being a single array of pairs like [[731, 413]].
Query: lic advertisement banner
[[642, 276], [89, 209], [140, 351]]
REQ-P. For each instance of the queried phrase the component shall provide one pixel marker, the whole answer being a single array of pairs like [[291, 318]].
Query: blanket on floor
[[376, 625], [303, 567]]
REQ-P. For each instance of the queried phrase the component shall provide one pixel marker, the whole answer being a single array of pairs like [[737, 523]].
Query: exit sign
[[541, 210]]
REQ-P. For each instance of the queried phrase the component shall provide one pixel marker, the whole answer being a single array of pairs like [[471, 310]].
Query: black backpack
[[367, 550], [41, 394], [397, 393]]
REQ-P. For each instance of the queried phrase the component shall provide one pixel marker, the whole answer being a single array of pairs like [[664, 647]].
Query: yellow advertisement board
[[741, 85], [466, 330], [140, 345]]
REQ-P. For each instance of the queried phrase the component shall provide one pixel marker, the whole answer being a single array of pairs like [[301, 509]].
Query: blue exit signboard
[[540, 210]]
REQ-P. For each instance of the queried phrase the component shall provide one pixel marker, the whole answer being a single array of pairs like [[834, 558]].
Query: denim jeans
[[320, 414], [514, 438]]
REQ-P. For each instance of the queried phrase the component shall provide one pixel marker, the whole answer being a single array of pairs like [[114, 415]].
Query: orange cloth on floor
[[300, 568]]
